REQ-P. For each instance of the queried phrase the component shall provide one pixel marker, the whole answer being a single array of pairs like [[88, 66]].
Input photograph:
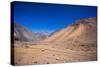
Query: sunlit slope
[[84, 29]]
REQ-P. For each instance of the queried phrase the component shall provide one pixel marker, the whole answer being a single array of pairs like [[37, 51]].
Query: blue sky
[[41, 17]]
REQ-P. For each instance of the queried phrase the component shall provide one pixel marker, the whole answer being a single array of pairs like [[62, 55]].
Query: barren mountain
[[23, 34], [83, 29], [81, 35]]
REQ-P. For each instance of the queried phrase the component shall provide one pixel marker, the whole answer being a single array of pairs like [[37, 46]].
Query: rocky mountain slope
[[23, 34]]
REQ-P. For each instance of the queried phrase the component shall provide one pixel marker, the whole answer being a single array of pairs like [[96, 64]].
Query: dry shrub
[[35, 62], [47, 63], [27, 46], [42, 50]]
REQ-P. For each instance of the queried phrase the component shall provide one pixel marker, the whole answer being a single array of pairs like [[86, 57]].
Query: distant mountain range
[[21, 33]]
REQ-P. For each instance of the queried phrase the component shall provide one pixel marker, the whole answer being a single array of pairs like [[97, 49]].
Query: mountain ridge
[[78, 28], [21, 33]]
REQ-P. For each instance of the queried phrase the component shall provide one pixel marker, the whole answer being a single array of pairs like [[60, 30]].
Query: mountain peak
[[87, 21]]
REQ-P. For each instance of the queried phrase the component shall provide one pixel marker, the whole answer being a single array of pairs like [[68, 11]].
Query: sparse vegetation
[[35, 62], [27, 46], [19, 59], [48, 63], [53, 55], [42, 50], [57, 59]]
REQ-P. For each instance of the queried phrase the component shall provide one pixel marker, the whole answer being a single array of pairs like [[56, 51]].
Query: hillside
[[21, 33], [83, 29]]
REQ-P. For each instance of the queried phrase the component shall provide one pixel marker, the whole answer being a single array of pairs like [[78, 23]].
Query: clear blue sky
[[50, 17]]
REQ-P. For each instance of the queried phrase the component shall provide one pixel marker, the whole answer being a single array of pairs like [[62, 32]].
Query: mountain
[[82, 35], [42, 35], [83, 29], [21, 33]]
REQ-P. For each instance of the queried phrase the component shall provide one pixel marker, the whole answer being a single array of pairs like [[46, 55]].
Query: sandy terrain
[[42, 54]]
